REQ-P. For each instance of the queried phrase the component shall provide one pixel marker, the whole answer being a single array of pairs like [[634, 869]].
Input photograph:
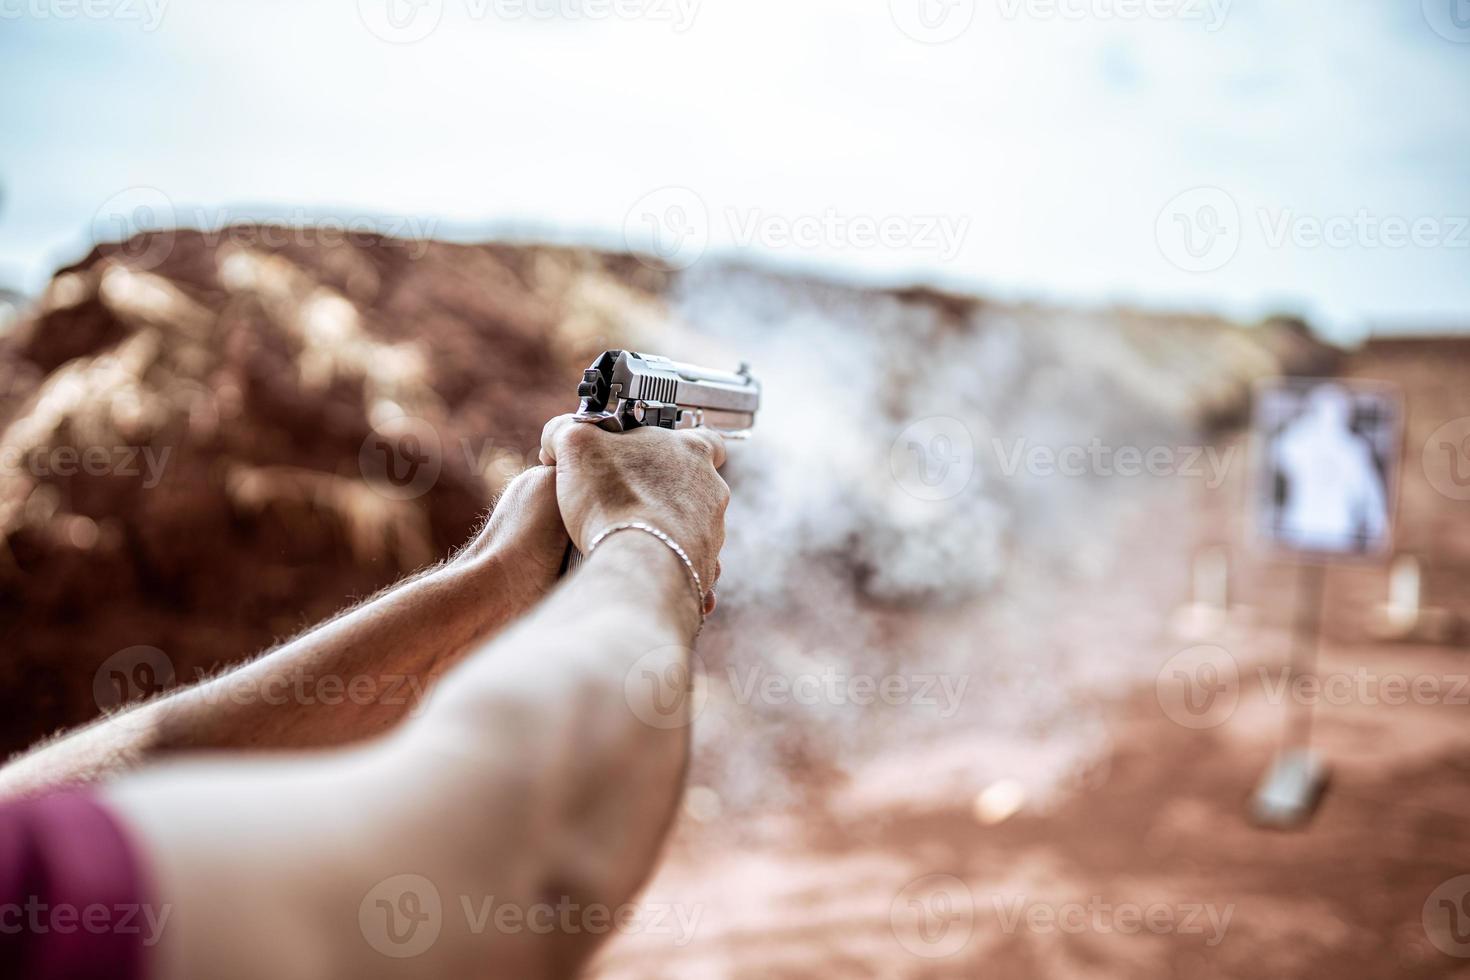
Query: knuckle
[[576, 438]]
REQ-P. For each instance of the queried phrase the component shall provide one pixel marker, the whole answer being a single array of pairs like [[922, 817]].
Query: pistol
[[624, 390]]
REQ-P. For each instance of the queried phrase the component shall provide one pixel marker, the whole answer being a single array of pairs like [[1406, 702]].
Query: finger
[[710, 601], [713, 440], [549, 436]]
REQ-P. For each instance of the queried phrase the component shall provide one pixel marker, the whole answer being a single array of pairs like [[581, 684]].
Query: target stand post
[[1290, 791]]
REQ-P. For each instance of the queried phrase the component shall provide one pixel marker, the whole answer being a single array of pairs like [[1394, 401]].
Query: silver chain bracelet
[[673, 546]]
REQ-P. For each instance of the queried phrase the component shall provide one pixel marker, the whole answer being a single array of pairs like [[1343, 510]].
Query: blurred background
[[1001, 655]]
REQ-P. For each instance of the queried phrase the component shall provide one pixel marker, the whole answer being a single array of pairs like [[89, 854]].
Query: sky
[[1241, 156]]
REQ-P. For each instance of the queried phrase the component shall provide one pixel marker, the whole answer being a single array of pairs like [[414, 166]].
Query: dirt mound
[[187, 442]]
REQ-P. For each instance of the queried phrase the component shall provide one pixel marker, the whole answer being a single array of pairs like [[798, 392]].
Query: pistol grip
[[571, 561]]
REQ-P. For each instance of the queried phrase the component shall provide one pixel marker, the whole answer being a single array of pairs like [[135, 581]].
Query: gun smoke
[[841, 557]]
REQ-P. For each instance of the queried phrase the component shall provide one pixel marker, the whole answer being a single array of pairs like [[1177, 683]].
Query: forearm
[[348, 679], [530, 778], [587, 702], [354, 676], [314, 691]]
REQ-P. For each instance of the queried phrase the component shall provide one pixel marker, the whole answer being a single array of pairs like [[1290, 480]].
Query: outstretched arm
[[542, 775], [350, 678]]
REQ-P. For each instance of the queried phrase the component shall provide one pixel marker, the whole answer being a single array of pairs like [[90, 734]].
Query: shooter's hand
[[524, 535], [662, 477]]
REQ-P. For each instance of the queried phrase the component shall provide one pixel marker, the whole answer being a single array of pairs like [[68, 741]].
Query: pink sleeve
[[72, 897]]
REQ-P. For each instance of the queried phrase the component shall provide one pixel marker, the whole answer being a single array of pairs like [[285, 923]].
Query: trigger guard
[[606, 421]]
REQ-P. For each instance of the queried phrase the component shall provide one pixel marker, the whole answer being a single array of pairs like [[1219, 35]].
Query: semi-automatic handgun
[[624, 390]]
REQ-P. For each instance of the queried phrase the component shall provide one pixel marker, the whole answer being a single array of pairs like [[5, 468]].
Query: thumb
[[549, 434]]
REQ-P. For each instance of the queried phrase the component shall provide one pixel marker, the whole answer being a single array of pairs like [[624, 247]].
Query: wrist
[[519, 569], [510, 567], [693, 539], [523, 539], [647, 565]]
